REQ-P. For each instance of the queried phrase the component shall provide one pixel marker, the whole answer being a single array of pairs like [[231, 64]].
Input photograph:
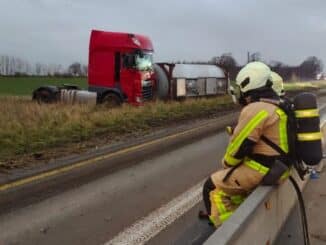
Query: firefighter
[[248, 158], [277, 86]]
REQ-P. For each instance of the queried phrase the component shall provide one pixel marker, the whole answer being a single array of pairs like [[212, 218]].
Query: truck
[[121, 70]]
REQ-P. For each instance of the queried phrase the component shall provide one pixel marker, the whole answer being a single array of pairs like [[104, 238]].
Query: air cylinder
[[308, 145]]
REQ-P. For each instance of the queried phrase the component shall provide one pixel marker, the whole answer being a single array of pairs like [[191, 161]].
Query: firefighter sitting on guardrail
[[248, 158]]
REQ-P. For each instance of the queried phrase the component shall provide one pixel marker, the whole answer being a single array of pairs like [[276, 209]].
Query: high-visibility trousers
[[226, 196]]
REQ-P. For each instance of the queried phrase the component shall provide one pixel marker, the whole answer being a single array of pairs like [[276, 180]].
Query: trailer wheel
[[111, 100]]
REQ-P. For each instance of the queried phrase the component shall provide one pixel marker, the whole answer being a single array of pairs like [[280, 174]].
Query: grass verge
[[28, 128]]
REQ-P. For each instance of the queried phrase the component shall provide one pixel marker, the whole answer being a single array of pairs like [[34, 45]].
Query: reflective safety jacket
[[257, 119]]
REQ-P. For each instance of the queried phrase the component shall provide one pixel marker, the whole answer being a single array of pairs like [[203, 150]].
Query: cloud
[[57, 31]]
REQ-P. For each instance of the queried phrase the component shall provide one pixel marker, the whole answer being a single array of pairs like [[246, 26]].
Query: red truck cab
[[120, 67]]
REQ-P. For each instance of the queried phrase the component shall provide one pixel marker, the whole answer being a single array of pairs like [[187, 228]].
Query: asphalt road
[[94, 213]]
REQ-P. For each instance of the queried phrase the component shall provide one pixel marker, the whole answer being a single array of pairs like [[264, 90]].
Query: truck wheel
[[111, 100]]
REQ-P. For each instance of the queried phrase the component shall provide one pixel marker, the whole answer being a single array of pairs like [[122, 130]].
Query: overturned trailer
[[184, 80]]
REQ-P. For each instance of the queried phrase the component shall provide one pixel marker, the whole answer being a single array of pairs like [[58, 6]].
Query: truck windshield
[[144, 62]]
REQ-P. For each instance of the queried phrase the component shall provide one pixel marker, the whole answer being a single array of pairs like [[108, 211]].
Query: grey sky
[[57, 31]]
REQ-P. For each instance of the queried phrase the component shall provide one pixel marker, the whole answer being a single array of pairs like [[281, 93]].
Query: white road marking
[[148, 227]]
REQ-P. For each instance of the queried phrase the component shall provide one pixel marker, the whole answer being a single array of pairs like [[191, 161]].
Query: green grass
[[27, 127], [293, 86], [26, 85]]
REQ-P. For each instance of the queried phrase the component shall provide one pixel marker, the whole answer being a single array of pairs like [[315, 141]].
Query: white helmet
[[277, 81], [252, 76]]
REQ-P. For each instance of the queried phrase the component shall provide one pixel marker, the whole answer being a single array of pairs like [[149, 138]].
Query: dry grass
[[27, 127]]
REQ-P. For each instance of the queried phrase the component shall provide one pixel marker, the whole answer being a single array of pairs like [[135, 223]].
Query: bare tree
[[310, 67], [75, 69], [226, 61]]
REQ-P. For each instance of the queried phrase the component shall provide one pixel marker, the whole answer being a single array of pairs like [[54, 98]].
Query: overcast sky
[[57, 31]]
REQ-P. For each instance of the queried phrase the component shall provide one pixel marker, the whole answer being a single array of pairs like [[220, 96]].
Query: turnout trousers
[[221, 197]]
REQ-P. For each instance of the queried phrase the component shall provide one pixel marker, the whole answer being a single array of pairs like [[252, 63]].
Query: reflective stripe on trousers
[[225, 204], [221, 201]]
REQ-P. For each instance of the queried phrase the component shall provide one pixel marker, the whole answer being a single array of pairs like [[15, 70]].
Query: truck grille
[[147, 92]]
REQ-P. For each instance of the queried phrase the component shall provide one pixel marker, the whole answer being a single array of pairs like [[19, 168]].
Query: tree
[[310, 67], [75, 69], [226, 61]]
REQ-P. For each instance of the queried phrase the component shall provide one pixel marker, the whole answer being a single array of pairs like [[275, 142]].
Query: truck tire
[[111, 100], [162, 83], [44, 95]]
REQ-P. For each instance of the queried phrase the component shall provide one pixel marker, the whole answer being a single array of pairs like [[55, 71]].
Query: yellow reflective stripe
[[218, 202], [285, 175], [225, 216], [252, 124], [230, 160], [257, 166], [264, 170], [309, 136], [306, 113], [211, 219], [237, 199], [283, 130], [222, 194], [222, 211]]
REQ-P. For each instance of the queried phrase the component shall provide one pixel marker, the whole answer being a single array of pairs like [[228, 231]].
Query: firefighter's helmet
[[253, 76]]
